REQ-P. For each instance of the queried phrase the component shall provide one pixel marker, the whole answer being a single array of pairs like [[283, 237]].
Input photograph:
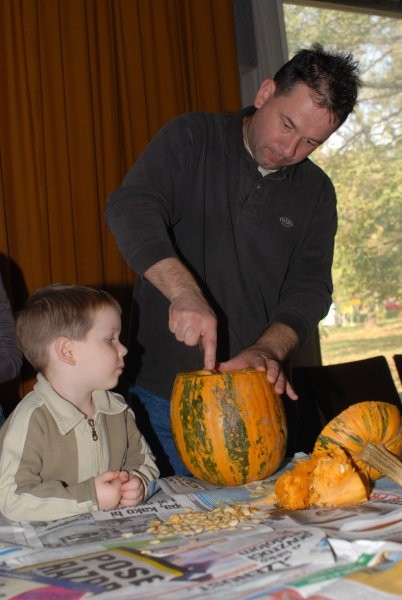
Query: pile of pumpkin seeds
[[197, 522]]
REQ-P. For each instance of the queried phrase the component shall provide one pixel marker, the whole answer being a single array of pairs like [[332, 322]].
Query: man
[[231, 230]]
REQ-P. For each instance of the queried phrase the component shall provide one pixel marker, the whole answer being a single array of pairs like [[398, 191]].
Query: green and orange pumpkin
[[374, 422], [229, 428], [335, 472]]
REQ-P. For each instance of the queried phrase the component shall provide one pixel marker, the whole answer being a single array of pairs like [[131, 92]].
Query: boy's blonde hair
[[58, 310]]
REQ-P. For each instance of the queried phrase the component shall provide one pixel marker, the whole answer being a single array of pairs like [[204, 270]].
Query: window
[[364, 160]]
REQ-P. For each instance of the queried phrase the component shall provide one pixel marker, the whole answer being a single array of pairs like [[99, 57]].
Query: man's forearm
[[279, 340], [191, 319], [172, 278]]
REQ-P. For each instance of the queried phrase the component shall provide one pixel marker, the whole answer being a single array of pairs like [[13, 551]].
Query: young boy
[[70, 446]]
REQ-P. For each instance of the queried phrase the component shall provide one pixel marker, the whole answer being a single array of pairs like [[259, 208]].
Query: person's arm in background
[[10, 355]]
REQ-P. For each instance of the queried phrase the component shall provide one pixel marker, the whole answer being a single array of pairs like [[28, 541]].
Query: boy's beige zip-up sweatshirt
[[49, 455]]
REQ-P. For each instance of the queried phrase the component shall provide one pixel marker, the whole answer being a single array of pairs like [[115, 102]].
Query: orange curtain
[[84, 85]]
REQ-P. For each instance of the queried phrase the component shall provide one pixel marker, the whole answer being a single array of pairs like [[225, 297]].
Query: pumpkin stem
[[384, 461]]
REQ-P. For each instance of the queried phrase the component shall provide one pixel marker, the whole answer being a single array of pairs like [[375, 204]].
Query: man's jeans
[[152, 415]]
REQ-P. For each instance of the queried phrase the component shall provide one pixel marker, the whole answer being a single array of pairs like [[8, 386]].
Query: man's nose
[[289, 146]]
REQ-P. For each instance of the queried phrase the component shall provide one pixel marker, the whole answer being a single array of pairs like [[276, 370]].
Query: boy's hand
[[124, 476], [108, 489], [132, 492]]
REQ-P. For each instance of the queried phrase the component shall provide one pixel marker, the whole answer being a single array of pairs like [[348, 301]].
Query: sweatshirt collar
[[66, 415]]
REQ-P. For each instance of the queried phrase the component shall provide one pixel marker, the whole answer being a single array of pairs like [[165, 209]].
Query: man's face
[[286, 129]]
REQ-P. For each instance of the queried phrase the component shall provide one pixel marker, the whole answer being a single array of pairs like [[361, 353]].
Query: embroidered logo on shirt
[[286, 222]]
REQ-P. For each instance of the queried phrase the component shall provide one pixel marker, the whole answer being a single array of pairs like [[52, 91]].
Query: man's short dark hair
[[332, 76]]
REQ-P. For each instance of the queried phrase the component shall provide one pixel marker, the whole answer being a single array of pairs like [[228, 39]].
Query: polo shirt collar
[[235, 148]]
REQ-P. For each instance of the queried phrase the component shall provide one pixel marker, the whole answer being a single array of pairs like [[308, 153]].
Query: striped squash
[[376, 422], [229, 428]]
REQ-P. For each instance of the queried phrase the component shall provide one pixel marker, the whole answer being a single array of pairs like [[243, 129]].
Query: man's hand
[[132, 492], [193, 322], [108, 489], [191, 319], [268, 354]]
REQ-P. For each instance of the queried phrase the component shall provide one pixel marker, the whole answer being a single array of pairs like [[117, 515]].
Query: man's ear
[[64, 348], [266, 91]]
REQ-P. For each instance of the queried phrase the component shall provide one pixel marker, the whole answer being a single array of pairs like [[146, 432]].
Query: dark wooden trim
[[383, 8]]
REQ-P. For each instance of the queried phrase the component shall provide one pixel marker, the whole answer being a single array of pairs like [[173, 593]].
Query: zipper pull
[[94, 434]]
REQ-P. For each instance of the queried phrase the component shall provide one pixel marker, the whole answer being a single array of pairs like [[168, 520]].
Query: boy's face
[[99, 356]]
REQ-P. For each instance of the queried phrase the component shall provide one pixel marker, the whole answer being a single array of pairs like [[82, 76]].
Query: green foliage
[[364, 158]]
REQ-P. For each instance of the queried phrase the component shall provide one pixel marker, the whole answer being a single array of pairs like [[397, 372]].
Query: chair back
[[398, 363], [325, 391]]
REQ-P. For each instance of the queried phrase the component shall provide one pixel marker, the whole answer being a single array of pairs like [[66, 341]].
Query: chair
[[398, 363], [325, 391]]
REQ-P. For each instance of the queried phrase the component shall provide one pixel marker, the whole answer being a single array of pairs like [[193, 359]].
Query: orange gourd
[[378, 423], [229, 428]]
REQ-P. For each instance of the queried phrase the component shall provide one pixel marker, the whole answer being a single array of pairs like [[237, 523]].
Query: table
[[333, 552]]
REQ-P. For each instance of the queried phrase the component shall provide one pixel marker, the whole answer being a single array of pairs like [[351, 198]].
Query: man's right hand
[[191, 319], [193, 322]]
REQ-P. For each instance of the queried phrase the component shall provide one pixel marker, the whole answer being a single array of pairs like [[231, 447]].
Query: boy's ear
[[64, 350]]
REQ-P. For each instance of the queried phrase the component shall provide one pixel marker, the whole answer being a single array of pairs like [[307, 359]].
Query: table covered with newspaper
[[194, 540]]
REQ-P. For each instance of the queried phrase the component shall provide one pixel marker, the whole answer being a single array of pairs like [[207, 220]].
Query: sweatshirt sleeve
[[140, 460], [142, 211], [10, 355], [306, 293]]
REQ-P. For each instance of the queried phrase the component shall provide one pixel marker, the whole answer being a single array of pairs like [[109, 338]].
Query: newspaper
[[126, 571], [238, 567], [342, 552]]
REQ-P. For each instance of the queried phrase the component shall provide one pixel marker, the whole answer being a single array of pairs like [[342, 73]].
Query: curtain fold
[[271, 45], [85, 85]]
